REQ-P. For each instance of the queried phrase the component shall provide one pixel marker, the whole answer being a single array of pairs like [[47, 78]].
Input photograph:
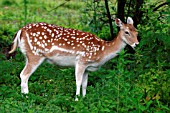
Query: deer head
[[128, 32]]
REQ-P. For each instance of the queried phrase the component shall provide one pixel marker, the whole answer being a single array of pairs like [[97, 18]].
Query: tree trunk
[[121, 10], [138, 13], [110, 19]]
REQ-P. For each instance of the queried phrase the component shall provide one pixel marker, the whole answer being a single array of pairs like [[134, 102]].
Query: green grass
[[127, 84]]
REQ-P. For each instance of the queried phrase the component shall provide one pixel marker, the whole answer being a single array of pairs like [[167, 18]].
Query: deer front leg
[[84, 83], [79, 72], [29, 68]]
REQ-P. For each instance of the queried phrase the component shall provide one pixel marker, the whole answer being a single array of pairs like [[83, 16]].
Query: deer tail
[[16, 41]]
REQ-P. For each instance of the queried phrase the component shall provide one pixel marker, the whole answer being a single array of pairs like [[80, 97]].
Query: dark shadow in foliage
[[5, 51]]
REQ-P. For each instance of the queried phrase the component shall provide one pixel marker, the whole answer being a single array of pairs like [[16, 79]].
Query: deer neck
[[113, 47]]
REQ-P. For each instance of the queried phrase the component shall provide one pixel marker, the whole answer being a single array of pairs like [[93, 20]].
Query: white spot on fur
[[52, 35], [38, 42], [72, 44], [38, 33], [45, 44], [45, 37], [45, 27], [34, 34], [103, 48], [35, 39], [42, 33]]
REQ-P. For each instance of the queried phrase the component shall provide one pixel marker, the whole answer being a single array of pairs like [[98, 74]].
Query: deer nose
[[134, 44], [137, 43]]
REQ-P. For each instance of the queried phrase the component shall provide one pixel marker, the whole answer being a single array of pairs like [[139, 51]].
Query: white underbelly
[[90, 68], [62, 60]]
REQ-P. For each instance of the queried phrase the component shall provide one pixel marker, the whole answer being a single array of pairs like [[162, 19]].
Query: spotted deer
[[69, 47]]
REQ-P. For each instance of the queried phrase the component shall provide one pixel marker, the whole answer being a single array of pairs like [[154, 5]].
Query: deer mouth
[[134, 45]]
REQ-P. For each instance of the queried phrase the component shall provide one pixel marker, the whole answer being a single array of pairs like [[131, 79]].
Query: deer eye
[[127, 33]]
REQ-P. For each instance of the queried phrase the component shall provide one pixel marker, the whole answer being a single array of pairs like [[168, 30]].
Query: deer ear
[[118, 22], [129, 20]]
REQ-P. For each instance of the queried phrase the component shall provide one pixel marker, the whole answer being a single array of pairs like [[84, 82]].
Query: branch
[[159, 6], [59, 5]]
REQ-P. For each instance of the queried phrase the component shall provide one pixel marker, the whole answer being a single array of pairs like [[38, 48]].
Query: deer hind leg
[[79, 72], [31, 65], [84, 83]]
